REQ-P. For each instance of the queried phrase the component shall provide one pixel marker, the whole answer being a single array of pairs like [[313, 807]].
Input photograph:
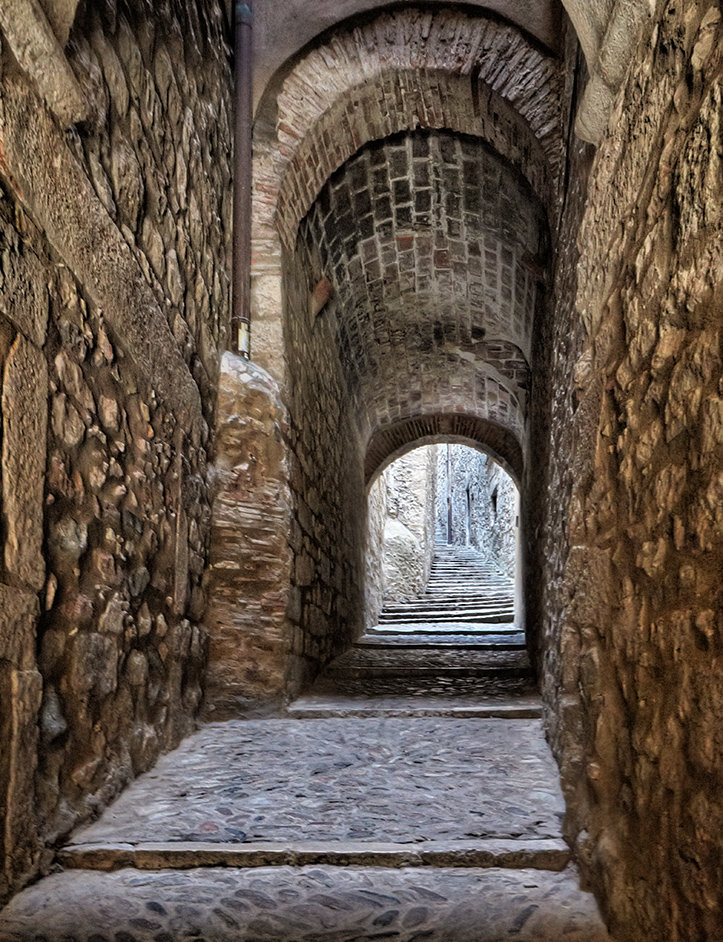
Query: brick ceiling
[[434, 246], [416, 161]]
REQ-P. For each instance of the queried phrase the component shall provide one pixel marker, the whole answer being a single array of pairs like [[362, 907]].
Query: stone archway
[[391, 442]]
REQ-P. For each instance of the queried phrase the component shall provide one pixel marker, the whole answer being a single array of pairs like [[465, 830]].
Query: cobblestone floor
[[309, 904], [485, 787], [387, 779]]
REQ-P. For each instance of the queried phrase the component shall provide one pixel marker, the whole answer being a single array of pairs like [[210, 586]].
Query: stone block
[[20, 696], [25, 412], [23, 294], [39, 54], [93, 665], [19, 612]]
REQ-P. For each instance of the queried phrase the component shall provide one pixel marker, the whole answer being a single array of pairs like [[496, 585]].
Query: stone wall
[[249, 656], [328, 526], [406, 492], [374, 552], [483, 500], [632, 677], [114, 304]]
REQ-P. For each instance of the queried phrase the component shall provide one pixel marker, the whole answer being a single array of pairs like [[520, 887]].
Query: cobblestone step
[[426, 660], [305, 904], [538, 854], [415, 695], [411, 781], [314, 706]]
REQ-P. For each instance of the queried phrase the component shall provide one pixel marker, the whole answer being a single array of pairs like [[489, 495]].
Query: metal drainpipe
[[243, 157]]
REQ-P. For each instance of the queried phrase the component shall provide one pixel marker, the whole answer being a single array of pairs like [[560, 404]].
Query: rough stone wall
[[374, 552], [408, 536], [105, 498], [328, 528], [549, 477], [157, 151], [249, 556], [495, 521], [634, 629], [483, 500]]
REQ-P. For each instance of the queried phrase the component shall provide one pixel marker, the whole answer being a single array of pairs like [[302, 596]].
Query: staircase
[[464, 590], [454, 650]]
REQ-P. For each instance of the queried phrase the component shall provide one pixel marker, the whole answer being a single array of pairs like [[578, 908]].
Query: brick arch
[[432, 234], [392, 441], [407, 69]]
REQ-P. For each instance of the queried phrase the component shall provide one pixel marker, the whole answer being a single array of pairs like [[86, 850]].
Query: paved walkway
[[446, 829], [409, 795], [407, 780]]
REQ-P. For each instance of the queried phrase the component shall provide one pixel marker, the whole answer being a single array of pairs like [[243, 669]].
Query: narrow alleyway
[[409, 795]]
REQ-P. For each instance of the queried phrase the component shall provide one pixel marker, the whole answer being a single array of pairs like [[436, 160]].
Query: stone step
[[393, 642], [312, 707], [449, 601], [539, 854], [307, 904], [468, 566], [428, 661], [453, 617], [464, 629], [475, 615], [478, 585], [482, 583], [421, 694], [432, 615], [469, 592], [467, 576], [374, 671]]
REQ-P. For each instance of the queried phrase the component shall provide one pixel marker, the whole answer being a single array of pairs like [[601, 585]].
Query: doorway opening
[[443, 542]]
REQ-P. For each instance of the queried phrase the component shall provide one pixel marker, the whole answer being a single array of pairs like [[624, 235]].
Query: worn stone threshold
[[371, 671], [431, 627], [491, 644], [313, 711], [541, 854]]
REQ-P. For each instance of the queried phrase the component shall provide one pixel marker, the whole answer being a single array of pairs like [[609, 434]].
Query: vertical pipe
[[243, 156]]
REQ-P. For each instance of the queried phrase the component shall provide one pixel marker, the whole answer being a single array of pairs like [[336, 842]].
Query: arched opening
[[433, 247], [443, 545]]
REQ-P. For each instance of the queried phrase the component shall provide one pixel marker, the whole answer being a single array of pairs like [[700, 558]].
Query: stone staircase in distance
[[455, 650]]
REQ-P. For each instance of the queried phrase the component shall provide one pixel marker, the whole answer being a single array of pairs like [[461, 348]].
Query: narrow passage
[[409, 795]]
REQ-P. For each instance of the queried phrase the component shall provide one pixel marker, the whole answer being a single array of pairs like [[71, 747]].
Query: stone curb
[[501, 711], [543, 854], [372, 671]]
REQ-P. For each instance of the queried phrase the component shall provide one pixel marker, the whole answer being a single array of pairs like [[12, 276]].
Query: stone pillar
[[250, 557]]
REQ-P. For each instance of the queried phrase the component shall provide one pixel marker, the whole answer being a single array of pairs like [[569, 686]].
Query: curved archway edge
[[356, 87], [393, 441]]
